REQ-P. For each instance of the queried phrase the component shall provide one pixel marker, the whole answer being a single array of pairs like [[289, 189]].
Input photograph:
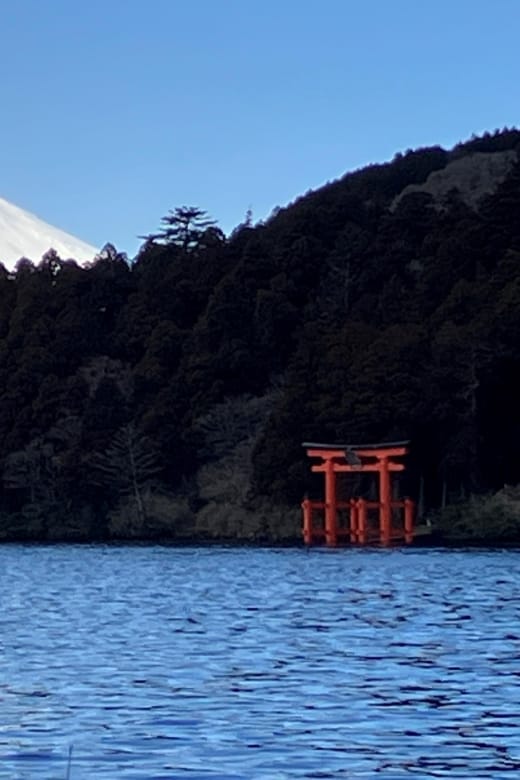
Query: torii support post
[[331, 510], [362, 521], [409, 507], [385, 498], [354, 521], [376, 458], [307, 521]]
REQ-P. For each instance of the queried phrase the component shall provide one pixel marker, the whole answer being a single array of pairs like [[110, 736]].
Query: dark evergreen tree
[[187, 227]]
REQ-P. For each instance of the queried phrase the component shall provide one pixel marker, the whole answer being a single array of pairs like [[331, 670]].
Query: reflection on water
[[157, 663]]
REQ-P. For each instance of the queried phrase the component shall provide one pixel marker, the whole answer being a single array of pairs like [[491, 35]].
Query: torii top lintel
[[349, 457]]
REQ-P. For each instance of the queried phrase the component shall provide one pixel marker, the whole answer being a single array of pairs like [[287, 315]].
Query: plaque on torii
[[334, 459]]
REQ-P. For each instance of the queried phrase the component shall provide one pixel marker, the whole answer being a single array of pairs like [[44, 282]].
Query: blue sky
[[115, 111]]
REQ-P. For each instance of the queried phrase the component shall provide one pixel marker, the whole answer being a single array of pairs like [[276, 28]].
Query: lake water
[[156, 663]]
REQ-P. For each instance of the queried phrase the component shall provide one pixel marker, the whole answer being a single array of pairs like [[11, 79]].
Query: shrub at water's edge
[[481, 520]]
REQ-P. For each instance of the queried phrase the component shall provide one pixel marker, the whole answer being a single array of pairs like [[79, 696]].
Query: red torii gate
[[339, 458]]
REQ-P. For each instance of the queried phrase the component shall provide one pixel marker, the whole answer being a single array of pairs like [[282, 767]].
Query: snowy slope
[[24, 235]]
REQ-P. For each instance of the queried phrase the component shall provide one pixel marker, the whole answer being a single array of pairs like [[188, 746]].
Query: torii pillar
[[331, 511]]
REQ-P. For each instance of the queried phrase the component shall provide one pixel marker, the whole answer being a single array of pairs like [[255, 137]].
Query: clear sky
[[115, 111]]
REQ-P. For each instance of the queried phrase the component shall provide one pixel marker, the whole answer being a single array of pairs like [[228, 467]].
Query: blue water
[[153, 663]]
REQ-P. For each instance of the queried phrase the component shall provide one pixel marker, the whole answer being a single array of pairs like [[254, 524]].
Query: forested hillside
[[169, 396]]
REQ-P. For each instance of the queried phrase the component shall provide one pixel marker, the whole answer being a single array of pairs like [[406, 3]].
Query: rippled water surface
[[155, 663]]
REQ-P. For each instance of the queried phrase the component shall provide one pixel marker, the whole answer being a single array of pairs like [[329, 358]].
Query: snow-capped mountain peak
[[24, 235]]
